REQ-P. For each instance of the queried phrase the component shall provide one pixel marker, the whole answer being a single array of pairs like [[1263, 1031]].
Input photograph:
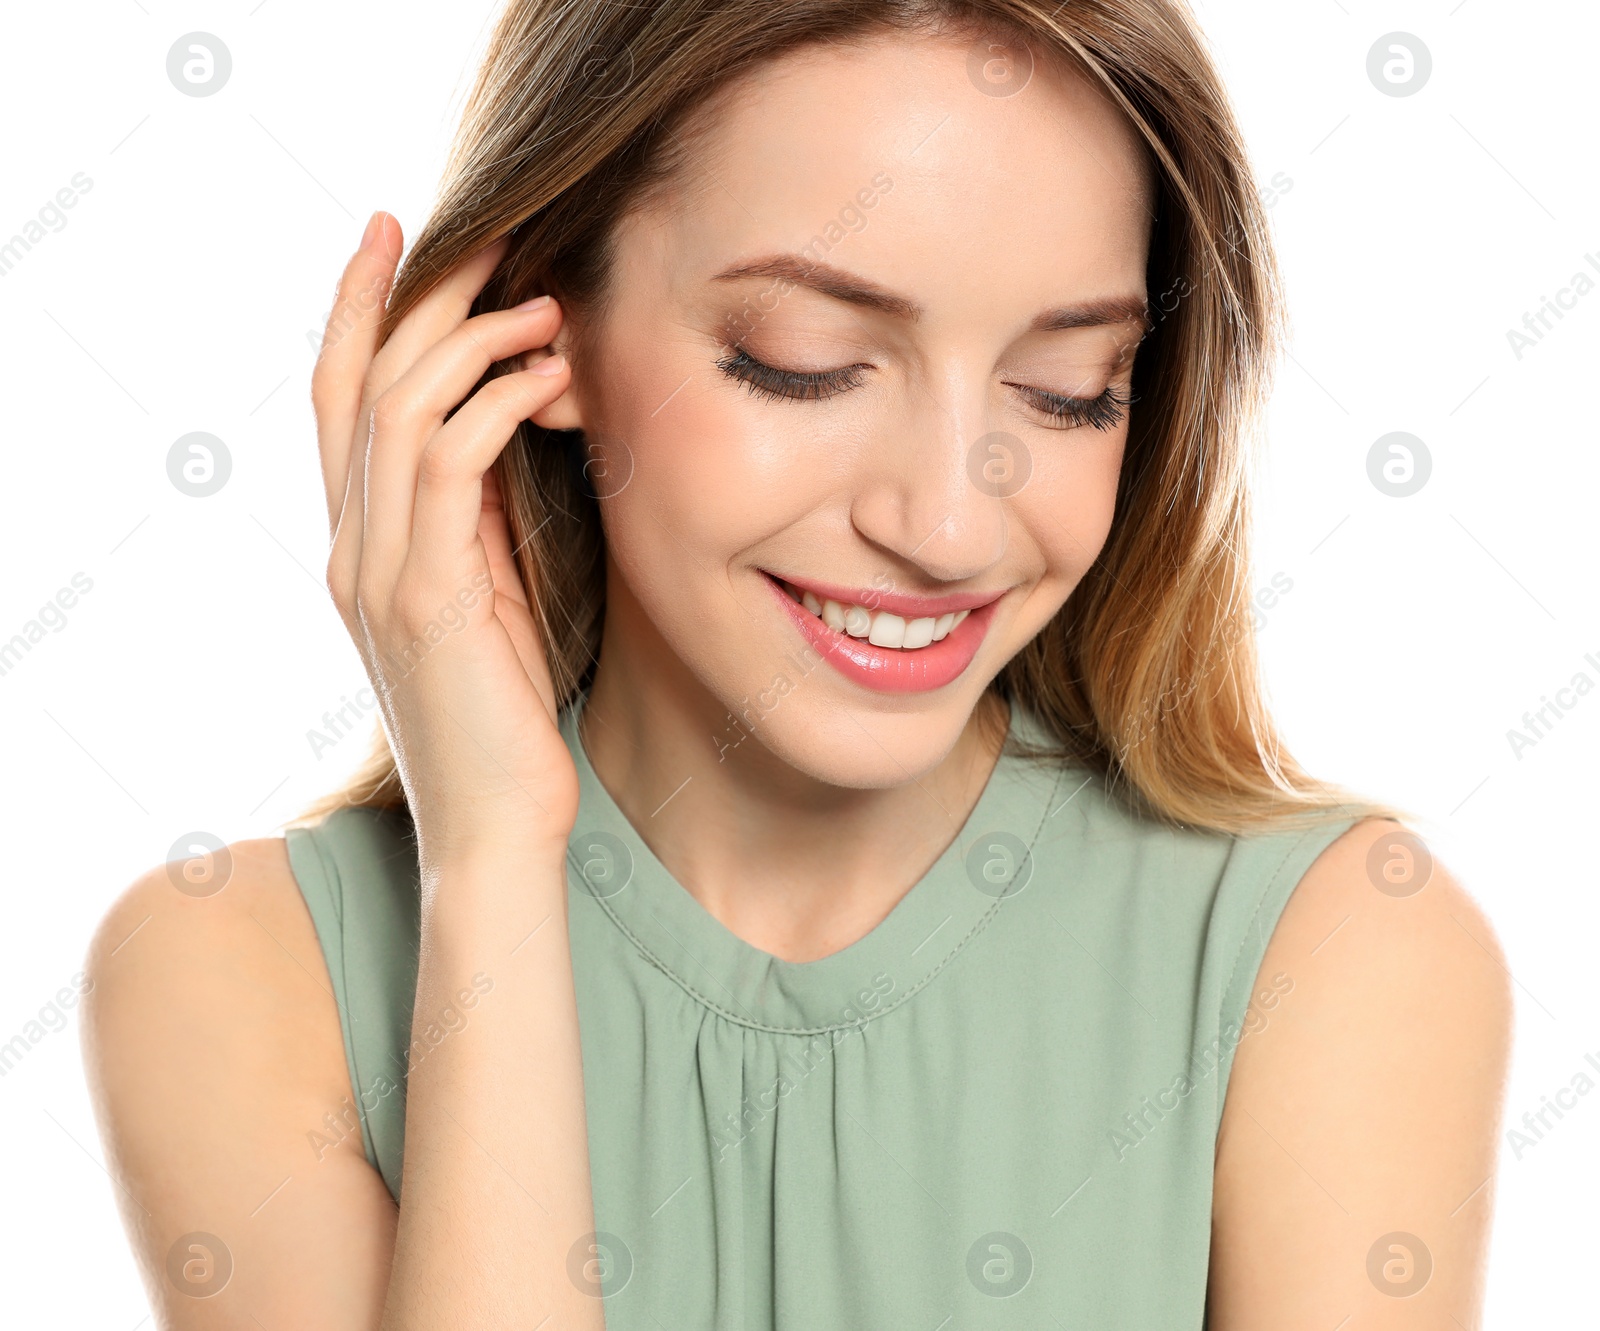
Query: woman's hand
[[422, 571], [422, 568]]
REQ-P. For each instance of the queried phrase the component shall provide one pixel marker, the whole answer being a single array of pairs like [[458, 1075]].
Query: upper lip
[[903, 604]]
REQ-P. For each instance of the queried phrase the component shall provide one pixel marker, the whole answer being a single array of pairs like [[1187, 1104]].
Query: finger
[[516, 603], [412, 411], [518, 610], [449, 494], [444, 308], [494, 530], [348, 343], [435, 314]]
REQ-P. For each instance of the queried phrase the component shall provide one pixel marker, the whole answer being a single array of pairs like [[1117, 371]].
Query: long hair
[[581, 112]]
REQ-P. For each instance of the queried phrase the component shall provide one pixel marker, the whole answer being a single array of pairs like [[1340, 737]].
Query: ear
[[564, 412]]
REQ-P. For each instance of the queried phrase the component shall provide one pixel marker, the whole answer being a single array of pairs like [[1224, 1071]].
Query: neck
[[712, 801]]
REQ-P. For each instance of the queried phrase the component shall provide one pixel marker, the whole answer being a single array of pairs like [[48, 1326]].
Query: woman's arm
[[496, 1210], [1355, 1167], [496, 1194], [215, 1060], [205, 1058]]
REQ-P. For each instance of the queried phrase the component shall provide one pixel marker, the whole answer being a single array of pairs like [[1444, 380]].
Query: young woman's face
[[873, 354]]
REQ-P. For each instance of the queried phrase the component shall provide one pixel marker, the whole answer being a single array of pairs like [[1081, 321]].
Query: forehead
[[897, 152]]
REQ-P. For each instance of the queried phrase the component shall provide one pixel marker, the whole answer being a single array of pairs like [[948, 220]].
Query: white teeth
[[880, 628], [887, 630]]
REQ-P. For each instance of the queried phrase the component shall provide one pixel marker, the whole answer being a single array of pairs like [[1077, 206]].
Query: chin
[[861, 744]]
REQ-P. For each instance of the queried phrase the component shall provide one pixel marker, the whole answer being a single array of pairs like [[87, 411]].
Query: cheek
[[710, 474], [1068, 506]]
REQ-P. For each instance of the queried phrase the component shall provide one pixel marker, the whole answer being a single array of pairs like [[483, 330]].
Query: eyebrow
[[854, 290]]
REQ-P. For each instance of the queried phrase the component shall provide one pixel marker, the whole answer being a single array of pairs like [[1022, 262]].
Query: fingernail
[[549, 365], [371, 233], [534, 304]]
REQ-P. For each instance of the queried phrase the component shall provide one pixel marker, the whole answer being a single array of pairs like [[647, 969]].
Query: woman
[[815, 661]]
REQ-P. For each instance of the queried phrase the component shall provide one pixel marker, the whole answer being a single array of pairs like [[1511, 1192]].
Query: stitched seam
[[1272, 881], [1255, 919], [977, 928], [347, 1019]]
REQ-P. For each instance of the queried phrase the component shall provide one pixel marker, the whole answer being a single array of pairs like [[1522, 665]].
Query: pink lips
[[892, 669]]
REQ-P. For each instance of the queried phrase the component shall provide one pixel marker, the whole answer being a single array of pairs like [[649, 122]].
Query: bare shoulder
[[1378, 920], [1360, 1129], [215, 1057], [222, 947]]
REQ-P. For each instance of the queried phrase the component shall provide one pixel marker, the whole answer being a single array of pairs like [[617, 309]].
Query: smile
[[878, 627], [888, 641]]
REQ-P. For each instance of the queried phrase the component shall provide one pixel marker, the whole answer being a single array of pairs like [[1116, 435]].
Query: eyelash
[[1102, 413]]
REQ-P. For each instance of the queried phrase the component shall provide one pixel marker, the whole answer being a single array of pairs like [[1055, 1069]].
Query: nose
[[932, 491]]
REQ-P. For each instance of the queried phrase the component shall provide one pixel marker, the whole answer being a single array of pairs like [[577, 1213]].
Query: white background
[[178, 696]]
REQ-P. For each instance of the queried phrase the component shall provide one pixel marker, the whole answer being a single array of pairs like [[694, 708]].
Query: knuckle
[[388, 410], [509, 393], [368, 599], [327, 387], [341, 586], [438, 465]]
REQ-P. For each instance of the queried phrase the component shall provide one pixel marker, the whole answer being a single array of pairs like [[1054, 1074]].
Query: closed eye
[[1102, 412], [795, 385]]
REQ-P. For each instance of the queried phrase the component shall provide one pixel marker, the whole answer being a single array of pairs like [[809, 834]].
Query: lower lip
[[892, 669]]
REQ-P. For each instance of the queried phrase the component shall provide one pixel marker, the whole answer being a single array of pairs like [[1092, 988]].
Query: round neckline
[[610, 865]]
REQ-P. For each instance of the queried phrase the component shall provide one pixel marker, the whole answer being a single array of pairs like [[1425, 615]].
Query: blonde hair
[[581, 113]]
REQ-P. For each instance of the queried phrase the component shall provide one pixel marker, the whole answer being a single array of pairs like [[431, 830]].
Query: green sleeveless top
[[999, 1108]]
